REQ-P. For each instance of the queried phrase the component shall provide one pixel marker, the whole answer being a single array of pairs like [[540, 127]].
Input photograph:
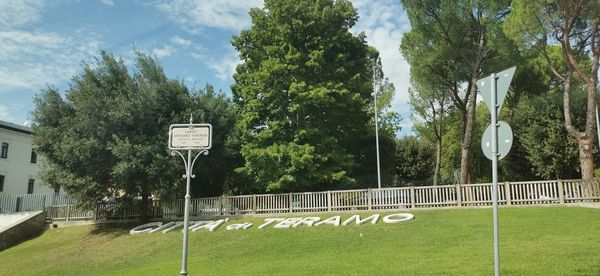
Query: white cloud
[[224, 67], [19, 13], [4, 114], [384, 22], [197, 56], [197, 14], [108, 2], [31, 60], [165, 51], [180, 41]]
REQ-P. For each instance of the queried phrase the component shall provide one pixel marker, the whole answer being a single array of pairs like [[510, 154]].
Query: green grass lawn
[[533, 241]]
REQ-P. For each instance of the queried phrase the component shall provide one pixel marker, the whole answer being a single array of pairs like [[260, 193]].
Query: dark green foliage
[[301, 93], [415, 159], [539, 122], [215, 171], [366, 174]]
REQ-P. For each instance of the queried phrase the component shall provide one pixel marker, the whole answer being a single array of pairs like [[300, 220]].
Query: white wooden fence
[[32, 202], [471, 195]]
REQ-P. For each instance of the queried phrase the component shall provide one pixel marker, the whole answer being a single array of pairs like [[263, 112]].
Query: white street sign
[[502, 84], [190, 136], [505, 140]]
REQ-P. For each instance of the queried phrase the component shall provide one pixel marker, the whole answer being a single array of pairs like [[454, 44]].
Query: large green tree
[[574, 25], [302, 92], [465, 37], [107, 137]]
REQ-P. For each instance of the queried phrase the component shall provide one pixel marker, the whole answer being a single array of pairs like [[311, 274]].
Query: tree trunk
[[585, 139], [468, 134], [586, 159], [438, 161]]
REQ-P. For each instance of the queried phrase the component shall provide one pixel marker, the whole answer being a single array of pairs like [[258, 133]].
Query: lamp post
[[377, 141]]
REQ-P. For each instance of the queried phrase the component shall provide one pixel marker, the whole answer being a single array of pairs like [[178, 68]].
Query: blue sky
[[44, 42]]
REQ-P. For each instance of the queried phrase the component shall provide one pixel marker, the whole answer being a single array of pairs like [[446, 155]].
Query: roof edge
[[16, 128]]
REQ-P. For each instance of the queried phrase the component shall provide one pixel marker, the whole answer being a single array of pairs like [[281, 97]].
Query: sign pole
[[495, 172], [497, 138], [189, 137], [186, 213]]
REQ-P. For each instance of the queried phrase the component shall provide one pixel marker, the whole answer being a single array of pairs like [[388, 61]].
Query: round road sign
[[505, 139]]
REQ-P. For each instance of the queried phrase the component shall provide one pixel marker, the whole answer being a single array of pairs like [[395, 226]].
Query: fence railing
[[32, 202], [469, 195]]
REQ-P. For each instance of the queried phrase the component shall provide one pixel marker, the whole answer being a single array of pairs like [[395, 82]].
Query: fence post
[[221, 205], [412, 197], [290, 200], [254, 204], [68, 211], [329, 201], [561, 193], [507, 193], [44, 203], [369, 199], [458, 196]]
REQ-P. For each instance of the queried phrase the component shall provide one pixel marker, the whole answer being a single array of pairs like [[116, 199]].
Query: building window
[[30, 186], [33, 156], [56, 190], [4, 151], [1, 183]]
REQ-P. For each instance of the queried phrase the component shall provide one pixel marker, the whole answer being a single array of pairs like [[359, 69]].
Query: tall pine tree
[[302, 93]]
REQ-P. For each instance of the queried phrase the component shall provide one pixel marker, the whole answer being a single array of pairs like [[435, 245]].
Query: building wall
[[17, 168]]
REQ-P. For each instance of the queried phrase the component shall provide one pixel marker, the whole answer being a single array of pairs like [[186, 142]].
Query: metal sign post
[[189, 137], [493, 91], [495, 175]]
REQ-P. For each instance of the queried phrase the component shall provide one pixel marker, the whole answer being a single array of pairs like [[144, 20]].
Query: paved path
[[588, 205], [7, 220]]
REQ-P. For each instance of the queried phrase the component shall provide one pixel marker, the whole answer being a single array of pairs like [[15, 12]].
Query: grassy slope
[[534, 241]]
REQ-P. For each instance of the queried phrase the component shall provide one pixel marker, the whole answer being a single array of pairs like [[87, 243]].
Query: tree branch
[[569, 19], [567, 107], [544, 52]]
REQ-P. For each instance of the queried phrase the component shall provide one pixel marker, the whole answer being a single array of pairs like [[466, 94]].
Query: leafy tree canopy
[[302, 93], [107, 137]]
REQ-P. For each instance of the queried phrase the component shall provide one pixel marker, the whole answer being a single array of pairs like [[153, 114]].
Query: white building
[[19, 163]]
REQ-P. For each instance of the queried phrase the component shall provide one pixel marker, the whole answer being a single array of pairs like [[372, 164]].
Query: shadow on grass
[[113, 229]]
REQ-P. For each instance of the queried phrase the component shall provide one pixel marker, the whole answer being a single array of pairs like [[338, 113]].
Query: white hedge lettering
[[404, 217], [278, 223], [358, 221], [335, 221], [239, 226]]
